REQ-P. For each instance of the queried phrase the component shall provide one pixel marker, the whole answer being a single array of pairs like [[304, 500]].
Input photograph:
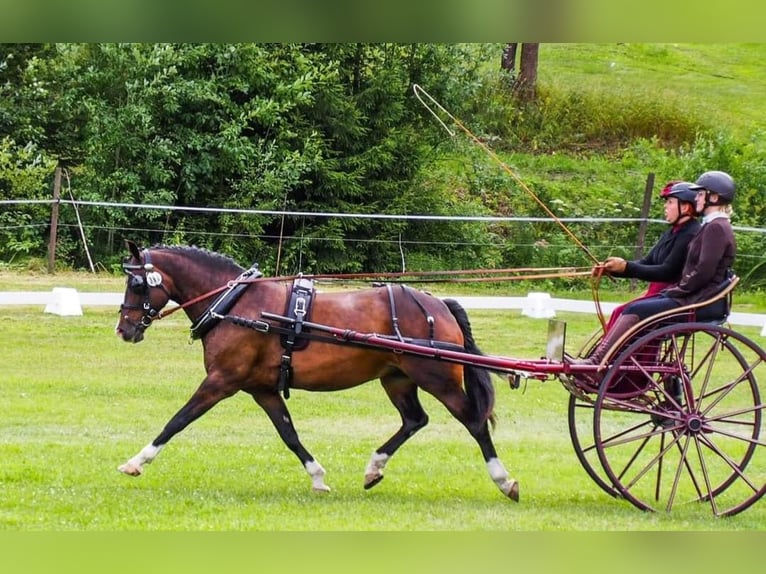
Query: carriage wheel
[[685, 425], [580, 416], [580, 413]]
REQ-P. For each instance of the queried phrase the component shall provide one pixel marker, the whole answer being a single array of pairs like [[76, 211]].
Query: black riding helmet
[[718, 182], [683, 192]]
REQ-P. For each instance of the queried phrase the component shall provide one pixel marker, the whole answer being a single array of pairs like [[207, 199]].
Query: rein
[[165, 312], [597, 273], [419, 90], [521, 273]]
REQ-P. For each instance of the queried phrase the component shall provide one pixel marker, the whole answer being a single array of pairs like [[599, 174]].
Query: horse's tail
[[478, 382]]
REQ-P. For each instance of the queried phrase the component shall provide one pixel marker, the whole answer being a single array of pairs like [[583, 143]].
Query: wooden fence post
[[54, 220], [643, 225]]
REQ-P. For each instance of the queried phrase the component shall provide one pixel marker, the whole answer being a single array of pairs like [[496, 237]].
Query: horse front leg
[[276, 409], [204, 398]]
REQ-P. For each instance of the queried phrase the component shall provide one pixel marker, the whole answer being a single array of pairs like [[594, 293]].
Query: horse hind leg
[[495, 468], [479, 430], [135, 465], [403, 393], [478, 427], [473, 408]]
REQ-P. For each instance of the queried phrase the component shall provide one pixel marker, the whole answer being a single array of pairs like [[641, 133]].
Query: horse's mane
[[195, 253]]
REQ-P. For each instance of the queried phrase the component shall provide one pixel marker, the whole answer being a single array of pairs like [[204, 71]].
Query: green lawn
[[78, 402], [704, 78]]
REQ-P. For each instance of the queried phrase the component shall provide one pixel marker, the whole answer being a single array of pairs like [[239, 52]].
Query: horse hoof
[[513, 491], [370, 482], [129, 469], [321, 488]]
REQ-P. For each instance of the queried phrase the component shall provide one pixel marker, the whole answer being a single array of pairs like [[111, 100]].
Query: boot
[[620, 327]]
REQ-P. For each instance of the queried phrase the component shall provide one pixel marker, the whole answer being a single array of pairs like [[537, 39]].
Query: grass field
[[78, 402], [226, 495], [721, 81]]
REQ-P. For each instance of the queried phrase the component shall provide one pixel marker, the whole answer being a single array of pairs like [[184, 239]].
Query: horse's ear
[[134, 250]]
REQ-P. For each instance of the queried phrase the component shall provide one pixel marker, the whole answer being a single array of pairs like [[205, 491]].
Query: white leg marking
[[135, 465], [374, 470], [499, 475], [316, 472]]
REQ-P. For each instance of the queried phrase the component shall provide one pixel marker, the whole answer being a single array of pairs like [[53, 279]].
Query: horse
[[251, 360]]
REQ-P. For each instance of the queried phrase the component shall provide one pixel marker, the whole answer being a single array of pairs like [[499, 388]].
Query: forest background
[[313, 129]]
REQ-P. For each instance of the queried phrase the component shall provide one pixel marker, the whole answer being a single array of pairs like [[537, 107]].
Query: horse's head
[[145, 295]]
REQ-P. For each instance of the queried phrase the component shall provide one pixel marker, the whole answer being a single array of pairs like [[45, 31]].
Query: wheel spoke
[[706, 476], [683, 425], [706, 441]]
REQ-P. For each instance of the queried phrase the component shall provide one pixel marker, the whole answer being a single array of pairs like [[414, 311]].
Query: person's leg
[[632, 314]]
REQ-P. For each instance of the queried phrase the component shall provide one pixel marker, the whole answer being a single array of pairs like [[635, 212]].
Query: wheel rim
[[580, 412], [662, 451]]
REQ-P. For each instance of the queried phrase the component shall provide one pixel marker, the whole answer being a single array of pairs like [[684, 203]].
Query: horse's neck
[[193, 277]]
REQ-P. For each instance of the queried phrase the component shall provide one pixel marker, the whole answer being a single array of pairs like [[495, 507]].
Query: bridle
[[142, 284]]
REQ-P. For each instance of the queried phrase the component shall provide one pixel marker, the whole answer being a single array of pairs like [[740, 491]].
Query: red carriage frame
[[672, 415]]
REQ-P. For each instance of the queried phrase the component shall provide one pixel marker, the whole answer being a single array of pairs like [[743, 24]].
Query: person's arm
[[668, 268], [665, 260], [618, 267], [714, 241]]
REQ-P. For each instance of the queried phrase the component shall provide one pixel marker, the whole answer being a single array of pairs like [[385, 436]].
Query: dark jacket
[[708, 263], [665, 260]]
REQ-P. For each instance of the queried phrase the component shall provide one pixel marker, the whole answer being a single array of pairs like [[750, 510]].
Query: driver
[[662, 265], [708, 264]]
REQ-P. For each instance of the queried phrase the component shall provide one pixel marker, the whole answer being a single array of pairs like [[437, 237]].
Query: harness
[[395, 318], [297, 311], [141, 285], [223, 303], [295, 328]]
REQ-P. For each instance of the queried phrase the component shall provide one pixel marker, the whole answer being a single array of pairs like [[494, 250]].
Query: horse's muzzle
[[134, 335]]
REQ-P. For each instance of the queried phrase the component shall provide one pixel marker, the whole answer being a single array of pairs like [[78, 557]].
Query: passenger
[[708, 264], [662, 265]]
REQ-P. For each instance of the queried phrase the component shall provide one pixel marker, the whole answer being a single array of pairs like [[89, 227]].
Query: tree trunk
[[525, 86], [508, 59]]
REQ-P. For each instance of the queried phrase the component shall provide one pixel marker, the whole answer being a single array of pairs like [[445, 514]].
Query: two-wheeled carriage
[[673, 415]]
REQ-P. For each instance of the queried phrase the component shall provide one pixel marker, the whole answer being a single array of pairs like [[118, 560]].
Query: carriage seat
[[698, 312], [687, 313]]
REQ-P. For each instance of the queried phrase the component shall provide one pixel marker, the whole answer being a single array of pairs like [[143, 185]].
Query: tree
[[524, 85], [508, 59], [292, 127]]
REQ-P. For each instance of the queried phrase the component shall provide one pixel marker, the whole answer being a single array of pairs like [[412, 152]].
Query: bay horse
[[238, 358]]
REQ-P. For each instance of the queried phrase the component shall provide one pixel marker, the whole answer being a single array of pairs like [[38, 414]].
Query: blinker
[[136, 284]]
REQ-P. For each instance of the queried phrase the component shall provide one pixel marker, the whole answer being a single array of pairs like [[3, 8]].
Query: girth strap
[[298, 310], [392, 305], [395, 317], [426, 314]]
